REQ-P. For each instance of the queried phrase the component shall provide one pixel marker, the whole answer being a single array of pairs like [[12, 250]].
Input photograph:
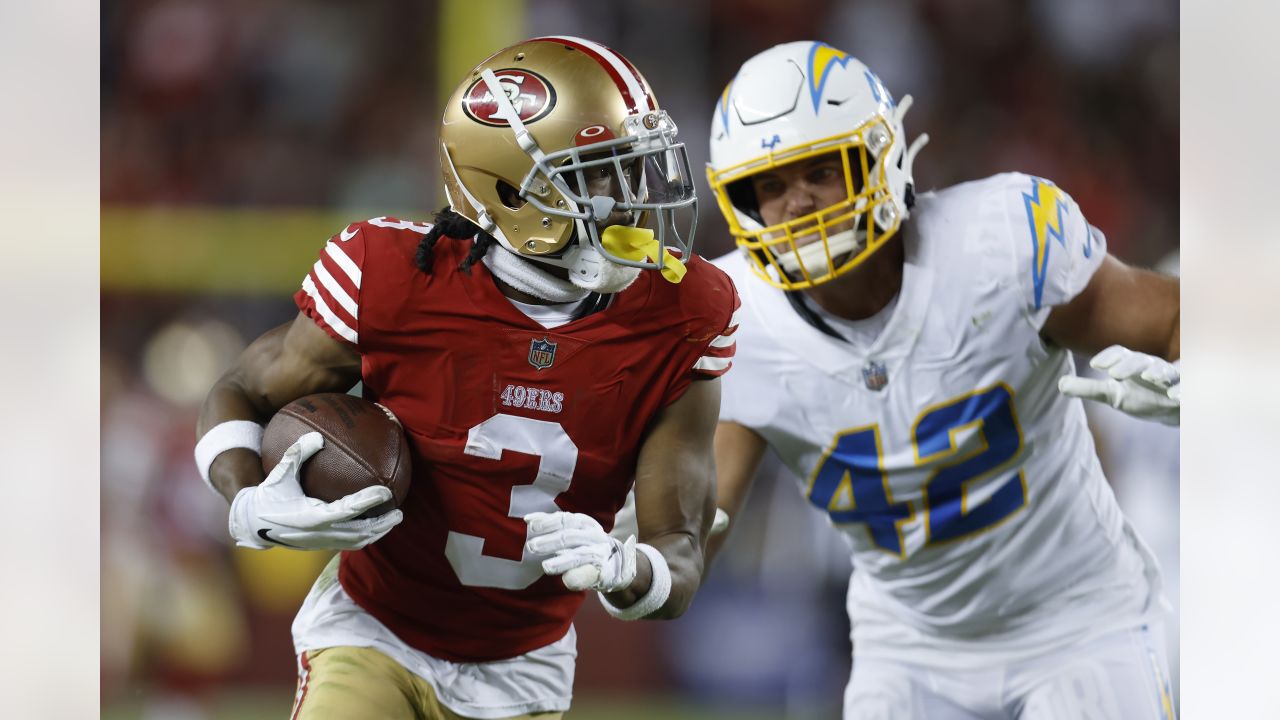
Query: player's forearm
[[731, 496], [241, 394], [235, 469], [675, 494], [675, 499], [228, 400], [282, 365], [1161, 306]]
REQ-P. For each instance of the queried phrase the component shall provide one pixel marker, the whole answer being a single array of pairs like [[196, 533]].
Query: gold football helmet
[[549, 142]]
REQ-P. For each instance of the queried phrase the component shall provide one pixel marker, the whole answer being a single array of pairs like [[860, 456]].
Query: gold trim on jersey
[[845, 487], [964, 485]]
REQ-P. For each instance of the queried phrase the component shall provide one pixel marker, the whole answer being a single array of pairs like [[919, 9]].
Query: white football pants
[[1120, 676]]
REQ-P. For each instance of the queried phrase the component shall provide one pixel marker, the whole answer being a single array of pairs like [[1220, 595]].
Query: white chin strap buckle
[[588, 269], [585, 265]]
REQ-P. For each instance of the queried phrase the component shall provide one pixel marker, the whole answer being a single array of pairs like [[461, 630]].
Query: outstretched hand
[[1138, 384]]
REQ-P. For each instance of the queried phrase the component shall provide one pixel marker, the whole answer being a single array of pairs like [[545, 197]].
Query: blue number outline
[[847, 474], [1006, 501], [1002, 495]]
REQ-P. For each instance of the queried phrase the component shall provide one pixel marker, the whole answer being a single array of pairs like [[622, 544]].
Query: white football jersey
[[969, 488]]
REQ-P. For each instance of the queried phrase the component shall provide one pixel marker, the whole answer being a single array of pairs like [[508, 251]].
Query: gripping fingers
[[583, 577], [1108, 391], [369, 530], [293, 458], [563, 540], [374, 525], [542, 523], [340, 536], [562, 563], [1124, 364], [349, 535], [1109, 357], [1131, 366], [1162, 375], [361, 501], [314, 514], [349, 507], [308, 445]]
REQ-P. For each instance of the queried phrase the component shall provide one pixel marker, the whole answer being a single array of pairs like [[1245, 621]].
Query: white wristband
[[659, 589], [226, 436]]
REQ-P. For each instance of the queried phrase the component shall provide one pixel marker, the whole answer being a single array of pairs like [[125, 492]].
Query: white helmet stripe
[[620, 68]]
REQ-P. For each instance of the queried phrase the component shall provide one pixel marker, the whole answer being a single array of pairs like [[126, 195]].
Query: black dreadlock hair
[[452, 225]]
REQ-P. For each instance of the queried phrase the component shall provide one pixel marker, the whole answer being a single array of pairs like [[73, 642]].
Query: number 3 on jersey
[[557, 458], [850, 485]]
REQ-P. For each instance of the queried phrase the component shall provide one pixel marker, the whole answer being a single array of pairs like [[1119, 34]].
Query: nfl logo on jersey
[[874, 375], [542, 353]]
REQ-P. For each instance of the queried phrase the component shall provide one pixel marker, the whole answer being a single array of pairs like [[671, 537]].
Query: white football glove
[[277, 513], [581, 551], [1141, 385]]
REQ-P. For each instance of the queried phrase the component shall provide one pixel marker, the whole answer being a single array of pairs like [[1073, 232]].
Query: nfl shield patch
[[542, 353], [874, 375]]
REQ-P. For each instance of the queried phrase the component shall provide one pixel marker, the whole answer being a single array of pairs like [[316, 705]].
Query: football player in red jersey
[[548, 342]]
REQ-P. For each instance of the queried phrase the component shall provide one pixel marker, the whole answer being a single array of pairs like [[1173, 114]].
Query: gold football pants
[[353, 683]]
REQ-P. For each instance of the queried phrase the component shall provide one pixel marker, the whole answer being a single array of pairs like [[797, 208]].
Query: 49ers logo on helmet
[[530, 94]]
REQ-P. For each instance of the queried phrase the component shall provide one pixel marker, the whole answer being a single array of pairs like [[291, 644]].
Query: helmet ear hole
[[509, 196]]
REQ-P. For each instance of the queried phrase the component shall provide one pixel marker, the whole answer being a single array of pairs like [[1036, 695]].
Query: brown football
[[363, 446]]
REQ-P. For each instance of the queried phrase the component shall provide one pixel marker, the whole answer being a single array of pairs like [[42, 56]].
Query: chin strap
[[526, 276], [814, 257], [909, 157]]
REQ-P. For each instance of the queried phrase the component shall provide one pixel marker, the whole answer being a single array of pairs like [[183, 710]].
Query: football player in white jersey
[[906, 356]]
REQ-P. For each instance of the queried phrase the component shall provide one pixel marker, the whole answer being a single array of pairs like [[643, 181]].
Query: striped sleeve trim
[[333, 286], [715, 367], [726, 338], [348, 266], [329, 317], [330, 283], [718, 357]]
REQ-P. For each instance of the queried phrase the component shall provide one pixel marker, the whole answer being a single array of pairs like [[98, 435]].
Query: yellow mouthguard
[[638, 244]]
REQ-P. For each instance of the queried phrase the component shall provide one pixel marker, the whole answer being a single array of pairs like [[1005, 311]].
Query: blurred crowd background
[[238, 135]]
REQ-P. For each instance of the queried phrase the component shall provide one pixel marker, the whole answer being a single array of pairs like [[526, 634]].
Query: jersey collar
[[825, 350]]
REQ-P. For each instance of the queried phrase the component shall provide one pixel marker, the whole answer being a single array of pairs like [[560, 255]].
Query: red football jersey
[[503, 418]]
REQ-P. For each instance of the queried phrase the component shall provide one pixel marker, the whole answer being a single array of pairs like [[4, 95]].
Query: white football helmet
[[792, 103]]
